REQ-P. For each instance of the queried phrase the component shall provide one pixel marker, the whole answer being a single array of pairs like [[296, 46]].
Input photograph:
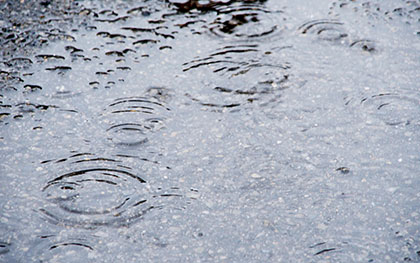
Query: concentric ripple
[[325, 29], [334, 31], [238, 62], [391, 108], [247, 21], [95, 191], [88, 191], [130, 120]]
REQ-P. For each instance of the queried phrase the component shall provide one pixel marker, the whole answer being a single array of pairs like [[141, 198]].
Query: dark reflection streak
[[4, 248], [123, 111], [96, 159], [123, 18], [239, 46], [234, 51], [48, 56], [136, 9], [317, 244], [196, 60], [136, 100], [314, 23], [80, 154], [360, 41], [70, 244], [138, 29], [140, 202], [189, 23], [97, 180], [126, 124], [140, 107], [213, 62], [132, 156], [112, 175], [221, 105], [92, 170], [323, 251], [219, 69], [169, 195], [382, 105], [125, 167], [145, 41]]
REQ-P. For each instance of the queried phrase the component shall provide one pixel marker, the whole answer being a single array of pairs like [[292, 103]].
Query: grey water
[[210, 131]]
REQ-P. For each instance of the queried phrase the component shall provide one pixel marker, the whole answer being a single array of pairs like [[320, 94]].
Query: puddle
[[158, 130]]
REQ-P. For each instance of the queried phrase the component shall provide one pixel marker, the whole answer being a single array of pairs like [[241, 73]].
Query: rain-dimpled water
[[210, 131]]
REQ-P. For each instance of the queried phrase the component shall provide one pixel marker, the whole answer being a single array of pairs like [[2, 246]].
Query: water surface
[[237, 131]]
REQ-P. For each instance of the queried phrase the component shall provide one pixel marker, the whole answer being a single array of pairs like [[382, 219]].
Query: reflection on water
[[221, 130]]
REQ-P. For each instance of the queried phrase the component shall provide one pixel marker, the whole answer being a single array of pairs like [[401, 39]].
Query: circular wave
[[246, 22], [130, 120], [97, 191]]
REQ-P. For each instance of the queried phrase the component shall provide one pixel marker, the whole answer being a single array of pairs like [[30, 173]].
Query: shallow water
[[237, 131]]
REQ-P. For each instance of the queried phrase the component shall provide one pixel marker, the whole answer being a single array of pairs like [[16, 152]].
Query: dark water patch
[[101, 73], [26, 25], [18, 63], [23, 109], [111, 35], [115, 53], [59, 36], [188, 5], [73, 50], [145, 41], [108, 12], [139, 29], [113, 20], [343, 170], [48, 57], [32, 87], [124, 68], [59, 69], [148, 35], [9, 80]]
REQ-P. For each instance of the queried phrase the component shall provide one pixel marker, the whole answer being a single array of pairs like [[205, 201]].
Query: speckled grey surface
[[232, 131]]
